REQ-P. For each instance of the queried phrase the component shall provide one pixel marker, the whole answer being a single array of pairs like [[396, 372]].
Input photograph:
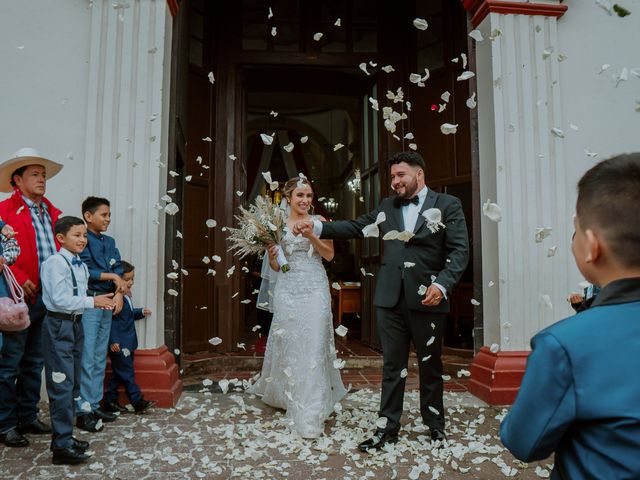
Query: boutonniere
[[433, 216]]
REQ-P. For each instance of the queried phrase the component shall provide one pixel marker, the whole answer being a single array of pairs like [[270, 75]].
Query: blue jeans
[[21, 366], [96, 324]]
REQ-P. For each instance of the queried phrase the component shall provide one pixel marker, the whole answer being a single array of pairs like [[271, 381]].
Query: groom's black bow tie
[[403, 202]]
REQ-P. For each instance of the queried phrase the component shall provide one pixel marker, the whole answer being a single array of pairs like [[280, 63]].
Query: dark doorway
[[250, 73]]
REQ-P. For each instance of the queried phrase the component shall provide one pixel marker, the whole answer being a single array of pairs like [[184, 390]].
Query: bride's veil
[[268, 275]]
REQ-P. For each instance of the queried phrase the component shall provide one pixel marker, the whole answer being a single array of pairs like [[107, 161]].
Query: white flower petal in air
[[431, 340], [420, 23], [85, 407], [337, 147], [448, 128], [589, 153], [557, 132], [574, 127], [172, 276], [232, 157], [476, 35], [318, 36], [304, 139], [545, 299], [215, 341], [492, 211], [404, 373], [270, 14], [336, 286], [211, 77], [341, 330], [174, 265], [339, 364], [241, 346], [245, 302], [267, 177], [239, 193], [604, 68], [338, 22], [216, 258], [126, 352], [58, 377], [434, 410], [206, 260], [542, 233], [409, 264], [174, 174], [405, 236], [288, 147], [171, 208], [288, 372], [363, 67], [391, 235], [552, 251], [415, 78], [494, 348], [207, 139], [413, 146], [475, 302], [365, 273], [466, 75], [188, 178], [422, 290], [471, 101], [433, 216], [274, 31], [374, 104], [409, 136], [446, 96], [373, 230], [172, 292], [388, 69], [210, 223], [176, 351], [266, 139], [231, 270], [546, 53]]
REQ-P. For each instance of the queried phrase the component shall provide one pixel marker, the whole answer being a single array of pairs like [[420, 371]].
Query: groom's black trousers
[[397, 327]]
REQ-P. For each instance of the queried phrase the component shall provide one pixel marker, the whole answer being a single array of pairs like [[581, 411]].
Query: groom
[[432, 259]]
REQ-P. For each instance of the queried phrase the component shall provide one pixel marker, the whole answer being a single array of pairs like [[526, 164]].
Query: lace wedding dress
[[298, 373]]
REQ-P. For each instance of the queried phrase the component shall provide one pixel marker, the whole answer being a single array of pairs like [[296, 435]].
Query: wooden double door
[[225, 53]]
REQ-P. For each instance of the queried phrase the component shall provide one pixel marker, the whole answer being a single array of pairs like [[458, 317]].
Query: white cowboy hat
[[23, 157]]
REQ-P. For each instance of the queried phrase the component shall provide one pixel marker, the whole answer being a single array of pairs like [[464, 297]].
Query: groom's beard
[[410, 189]]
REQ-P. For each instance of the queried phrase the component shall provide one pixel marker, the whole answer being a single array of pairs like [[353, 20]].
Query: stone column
[[522, 169], [126, 152]]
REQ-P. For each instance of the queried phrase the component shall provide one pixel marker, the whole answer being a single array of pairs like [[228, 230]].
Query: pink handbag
[[14, 312]]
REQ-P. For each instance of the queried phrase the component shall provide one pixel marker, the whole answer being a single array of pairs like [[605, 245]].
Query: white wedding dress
[[298, 373]]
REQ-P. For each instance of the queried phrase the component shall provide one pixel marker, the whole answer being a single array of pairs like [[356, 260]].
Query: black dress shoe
[[379, 439], [68, 456], [143, 405], [114, 407], [36, 427], [105, 416], [89, 423], [78, 445], [437, 435], [12, 438]]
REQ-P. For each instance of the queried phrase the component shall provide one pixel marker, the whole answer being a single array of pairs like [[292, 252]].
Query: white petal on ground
[[266, 139], [288, 372], [58, 377], [448, 128], [207, 382], [341, 330], [542, 233], [336, 286], [404, 373], [476, 35], [604, 67], [420, 23], [318, 36], [363, 67], [466, 75], [494, 348], [288, 147], [211, 77], [215, 341], [542, 472], [381, 422], [492, 211], [475, 302], [224, 385], [463, 373], [422, 289], [557, 132]]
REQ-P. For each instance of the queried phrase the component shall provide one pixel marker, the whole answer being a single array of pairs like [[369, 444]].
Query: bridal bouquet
[[259, 226]]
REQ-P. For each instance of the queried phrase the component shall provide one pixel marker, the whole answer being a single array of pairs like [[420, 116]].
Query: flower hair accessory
[[434, 219]]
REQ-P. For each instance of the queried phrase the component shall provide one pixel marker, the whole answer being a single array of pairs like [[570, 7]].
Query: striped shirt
[[45, 242]]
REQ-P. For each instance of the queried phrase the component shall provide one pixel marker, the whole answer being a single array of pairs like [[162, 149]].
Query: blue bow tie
[[76, 261]]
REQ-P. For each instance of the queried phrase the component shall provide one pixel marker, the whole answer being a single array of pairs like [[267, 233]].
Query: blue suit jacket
[[101, 256], [580, 395], [123, 330]]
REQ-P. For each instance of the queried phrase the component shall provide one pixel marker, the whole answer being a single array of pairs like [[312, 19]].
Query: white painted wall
[[83, 91]]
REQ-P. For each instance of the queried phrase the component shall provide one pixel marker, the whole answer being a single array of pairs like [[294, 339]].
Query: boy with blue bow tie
[[122, 345], [64, 293]]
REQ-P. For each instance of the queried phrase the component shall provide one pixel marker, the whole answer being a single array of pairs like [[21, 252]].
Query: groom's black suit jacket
[[443, 254]]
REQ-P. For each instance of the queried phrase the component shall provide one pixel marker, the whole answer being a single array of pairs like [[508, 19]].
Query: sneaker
[[143, 405], [89, 423]]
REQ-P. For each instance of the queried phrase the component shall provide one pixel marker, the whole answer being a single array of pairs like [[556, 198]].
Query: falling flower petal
[[215, 341], [388, 69], [211, 77], [465, 76], [304, 139], [542, 233], [338, 22], [341, 330], [274, 31], [492, 211], [546, 300], [266, 139], [267, 177], [557, 132], [476, 35], [336, 286], [171, 208], [337, 147], [318, 36], [404, 373], [552, 251], [207, 139], [373, 230], [475, 302], [420, 23], [494, 348], [58, 377], [288, 147], [363, 67], [448, 128], [471, 101], [172, 292], [422, 290]]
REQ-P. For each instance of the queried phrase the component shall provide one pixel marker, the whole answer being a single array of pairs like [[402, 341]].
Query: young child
[[122, 345], [578, 396], [103, 260], [64, 293]]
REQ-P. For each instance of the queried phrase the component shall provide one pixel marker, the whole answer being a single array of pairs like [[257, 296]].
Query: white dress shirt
[[57, 286]]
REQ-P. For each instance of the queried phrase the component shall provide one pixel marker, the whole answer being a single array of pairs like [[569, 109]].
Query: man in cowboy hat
[[32, 216]]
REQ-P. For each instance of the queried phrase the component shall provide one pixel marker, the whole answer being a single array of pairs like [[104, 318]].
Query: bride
[[298, 373]]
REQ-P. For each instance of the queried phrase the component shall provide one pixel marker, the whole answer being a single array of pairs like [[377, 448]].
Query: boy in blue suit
[[578, 397], [122, 344]]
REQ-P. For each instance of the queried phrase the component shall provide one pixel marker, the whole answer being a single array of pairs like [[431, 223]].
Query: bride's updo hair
[[292, 184]]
